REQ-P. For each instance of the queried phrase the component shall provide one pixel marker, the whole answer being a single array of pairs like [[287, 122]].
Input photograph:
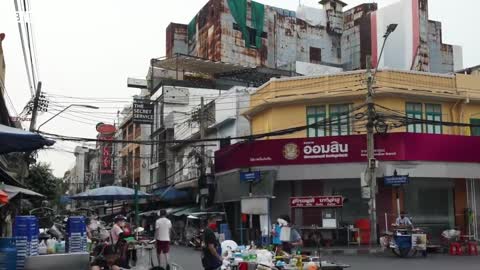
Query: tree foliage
[[42, 180]]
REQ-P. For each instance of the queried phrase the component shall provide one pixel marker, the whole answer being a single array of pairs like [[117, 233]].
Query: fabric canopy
[[3, 197], [13, 191], [171, 194], [17, 140], [110, 193]]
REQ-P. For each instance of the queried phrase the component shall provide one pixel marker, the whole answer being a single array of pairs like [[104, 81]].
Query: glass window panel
[[414, 111], [340, 119], [316, 114]]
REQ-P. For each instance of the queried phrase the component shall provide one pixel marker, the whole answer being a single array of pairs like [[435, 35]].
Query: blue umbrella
[[111, 193], [17, 140]]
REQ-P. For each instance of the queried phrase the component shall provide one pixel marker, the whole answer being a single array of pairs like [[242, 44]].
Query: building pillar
[[460, 204]]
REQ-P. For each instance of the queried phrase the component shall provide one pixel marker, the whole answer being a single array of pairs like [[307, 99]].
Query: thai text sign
[[317, 201], [396, 181], [106, 161], [143, 112], [345, 149]]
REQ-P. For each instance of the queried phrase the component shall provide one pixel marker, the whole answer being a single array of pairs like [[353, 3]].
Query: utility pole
[[371, 167], [36, 100], [203, 128]]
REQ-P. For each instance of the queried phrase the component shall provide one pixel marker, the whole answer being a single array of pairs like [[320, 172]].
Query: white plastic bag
[[42, 248], [285, 233]]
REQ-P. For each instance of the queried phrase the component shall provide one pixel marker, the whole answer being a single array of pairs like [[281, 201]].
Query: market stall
[[328, 230]]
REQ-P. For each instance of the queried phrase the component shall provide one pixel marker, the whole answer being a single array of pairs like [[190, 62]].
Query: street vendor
[[295, 240], [117, 228], [403, 221]]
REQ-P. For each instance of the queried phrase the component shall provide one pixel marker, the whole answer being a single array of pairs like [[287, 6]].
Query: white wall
[[398, 53]]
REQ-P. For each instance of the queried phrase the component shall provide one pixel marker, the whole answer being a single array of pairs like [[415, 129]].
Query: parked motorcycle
[[196, 240]]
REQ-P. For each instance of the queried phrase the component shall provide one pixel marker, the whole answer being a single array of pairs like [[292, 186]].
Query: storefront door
[[430, 204]]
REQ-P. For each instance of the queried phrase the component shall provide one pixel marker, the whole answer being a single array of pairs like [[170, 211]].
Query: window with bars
[[340, 119], [316, 115], [414, 111], [433, 112]]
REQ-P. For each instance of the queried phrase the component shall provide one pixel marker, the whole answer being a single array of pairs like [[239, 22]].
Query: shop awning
[[170, 211], [187, 211], [18, 140], [171, 194], [13, 191]]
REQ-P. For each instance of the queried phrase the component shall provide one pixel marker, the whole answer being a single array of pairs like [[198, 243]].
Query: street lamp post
[[371, 162], [66, 108]]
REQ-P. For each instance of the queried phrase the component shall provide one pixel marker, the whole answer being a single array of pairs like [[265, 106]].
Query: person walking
[[163, 227], [211, 258]]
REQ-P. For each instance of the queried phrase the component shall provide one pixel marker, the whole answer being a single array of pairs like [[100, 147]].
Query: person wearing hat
[[117, 228]]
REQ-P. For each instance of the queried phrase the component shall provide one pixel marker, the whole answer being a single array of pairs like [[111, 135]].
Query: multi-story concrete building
[[426, 129], [13, 167], [251, 34], [83, 175], [133, 159]]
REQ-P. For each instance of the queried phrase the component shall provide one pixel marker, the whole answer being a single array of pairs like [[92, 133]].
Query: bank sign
[[143, 112], [317, 201], [348, 149]]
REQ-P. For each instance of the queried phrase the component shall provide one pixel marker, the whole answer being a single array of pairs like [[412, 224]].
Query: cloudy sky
[[88, 48]]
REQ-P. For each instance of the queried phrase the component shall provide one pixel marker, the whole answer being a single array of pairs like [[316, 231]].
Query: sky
[[88, 48]]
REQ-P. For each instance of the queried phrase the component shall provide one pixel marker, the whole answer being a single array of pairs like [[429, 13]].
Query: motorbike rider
[[403, 221]]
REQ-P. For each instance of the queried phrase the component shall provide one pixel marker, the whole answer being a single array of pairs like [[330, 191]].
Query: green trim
[[238, 9], [475, 131], [434, 112], [192, 28], [414, 110], [258, 21]]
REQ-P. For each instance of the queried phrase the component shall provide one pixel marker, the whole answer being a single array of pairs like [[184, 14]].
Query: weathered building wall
[[286, 39], [206, 41], [356, 38], [176, 39], [421, 49], [441, 55], [321, 36]]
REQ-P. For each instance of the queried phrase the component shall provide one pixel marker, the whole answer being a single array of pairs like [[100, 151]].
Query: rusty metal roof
[[194, 64]]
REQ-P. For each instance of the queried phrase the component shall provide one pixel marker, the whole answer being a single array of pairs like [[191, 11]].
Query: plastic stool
[[472, 248], [455, 249]]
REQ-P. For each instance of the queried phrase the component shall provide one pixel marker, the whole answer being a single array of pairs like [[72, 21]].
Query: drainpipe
[[452, 112], [462, 112]]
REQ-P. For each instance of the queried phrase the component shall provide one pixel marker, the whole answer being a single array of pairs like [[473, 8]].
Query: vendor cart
[[406, 243]]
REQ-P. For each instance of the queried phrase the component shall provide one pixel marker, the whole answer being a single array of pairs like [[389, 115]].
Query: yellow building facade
[[293, 102]]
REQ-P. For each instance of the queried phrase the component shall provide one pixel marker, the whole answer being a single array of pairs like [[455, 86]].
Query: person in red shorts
[[163, 227]]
